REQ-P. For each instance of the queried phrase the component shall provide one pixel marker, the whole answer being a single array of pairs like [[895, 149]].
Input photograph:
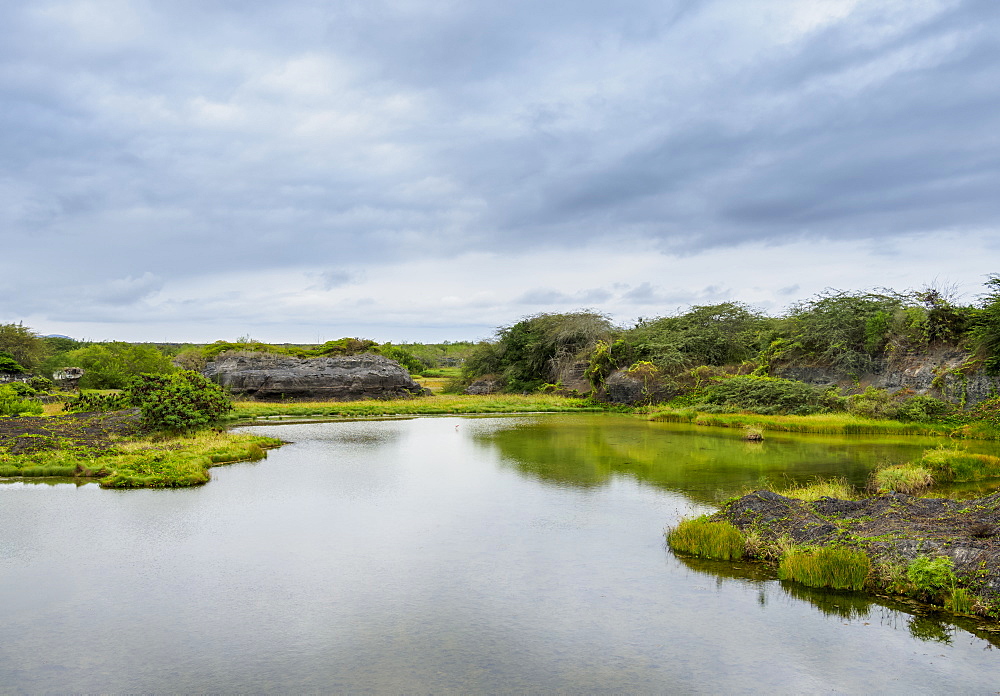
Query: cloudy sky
[[427, 170]]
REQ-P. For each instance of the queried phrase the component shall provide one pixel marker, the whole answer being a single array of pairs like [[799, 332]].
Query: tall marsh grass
[[826, 566], [821, 488], [438, 404], [700, 536]]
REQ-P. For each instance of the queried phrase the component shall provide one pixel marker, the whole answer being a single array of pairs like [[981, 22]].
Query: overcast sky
[[427, 170]]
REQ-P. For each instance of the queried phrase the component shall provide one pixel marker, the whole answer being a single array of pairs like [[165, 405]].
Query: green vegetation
[[952, 463], [11, 403], [532, 352], [146, 462], [705, 538], [430, 405], [112, 365], [821, 488], [826, 566], [22, 345], [766, 395], [909, 478], [824, 423]]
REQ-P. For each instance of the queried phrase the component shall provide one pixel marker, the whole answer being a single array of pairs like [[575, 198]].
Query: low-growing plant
[[902, 478], [931, 578], [706, 538], [952, 463], [826, 566], [821, 488]]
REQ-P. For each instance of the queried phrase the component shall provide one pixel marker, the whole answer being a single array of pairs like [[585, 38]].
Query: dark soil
[[97, 431], [895, 528]]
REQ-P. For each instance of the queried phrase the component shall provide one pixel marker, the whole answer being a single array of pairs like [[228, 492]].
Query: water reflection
[[707, 464], [923, 622]]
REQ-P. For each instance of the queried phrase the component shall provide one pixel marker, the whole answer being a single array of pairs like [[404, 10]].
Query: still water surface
[[438, 555]]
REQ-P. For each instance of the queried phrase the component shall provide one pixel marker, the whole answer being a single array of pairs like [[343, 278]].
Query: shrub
[[11, 403], [767, 395], [877, 404], [179, 402], [89, 402], [827, 566], [923, 408], [708, 539]]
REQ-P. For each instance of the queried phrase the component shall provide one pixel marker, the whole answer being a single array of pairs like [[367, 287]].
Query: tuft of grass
[[902, 478], [821, 488], [952, 463], [703, 537], [826, 566], [960, 601]]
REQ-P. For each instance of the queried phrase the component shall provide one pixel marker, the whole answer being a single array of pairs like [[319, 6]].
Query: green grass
[[830, 488], [142, 462], [706, 538], [438, 404], [951, 463], [826, 566], [825, 423], [902, 478]]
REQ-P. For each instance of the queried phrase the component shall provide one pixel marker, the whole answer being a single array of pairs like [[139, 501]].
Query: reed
[[705, 538], [826, 566]]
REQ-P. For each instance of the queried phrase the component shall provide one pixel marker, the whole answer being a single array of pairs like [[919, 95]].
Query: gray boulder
[[272, 377]]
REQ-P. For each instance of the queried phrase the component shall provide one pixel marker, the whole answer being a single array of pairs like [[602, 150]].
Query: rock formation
[[267, 376]]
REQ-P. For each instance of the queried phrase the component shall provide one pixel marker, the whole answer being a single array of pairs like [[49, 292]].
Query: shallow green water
[[450, 555]]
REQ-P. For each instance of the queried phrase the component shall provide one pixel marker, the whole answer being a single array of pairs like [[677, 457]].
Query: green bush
[[766, 395], [877, 404], [179, 402], [923, 409], [11, 403], [706, 538]]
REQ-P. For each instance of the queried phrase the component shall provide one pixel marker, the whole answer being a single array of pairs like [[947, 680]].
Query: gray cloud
[[145, 144]]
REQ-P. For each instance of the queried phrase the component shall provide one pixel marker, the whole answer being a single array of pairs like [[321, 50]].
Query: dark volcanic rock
[[892, 528], [272, 377]]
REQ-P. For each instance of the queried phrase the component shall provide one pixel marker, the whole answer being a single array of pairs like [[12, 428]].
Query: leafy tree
[[722, 334], [8, 364], [22, 344], [529, 353], [111, 365], [840, 329], [985, 331]]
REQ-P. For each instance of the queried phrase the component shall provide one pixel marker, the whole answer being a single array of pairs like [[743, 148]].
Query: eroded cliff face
[[273, 377], [945, 373]]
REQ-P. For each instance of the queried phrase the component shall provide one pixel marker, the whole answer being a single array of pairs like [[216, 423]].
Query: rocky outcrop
[[892, 528], [484, 385], [945, 373], [273, 377]]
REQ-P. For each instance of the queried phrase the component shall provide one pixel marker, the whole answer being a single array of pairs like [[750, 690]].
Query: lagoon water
[[451, 555]]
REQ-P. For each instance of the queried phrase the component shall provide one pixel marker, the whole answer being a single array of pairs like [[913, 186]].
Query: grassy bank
[[827, 424], [142, 462], [441, 404]]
